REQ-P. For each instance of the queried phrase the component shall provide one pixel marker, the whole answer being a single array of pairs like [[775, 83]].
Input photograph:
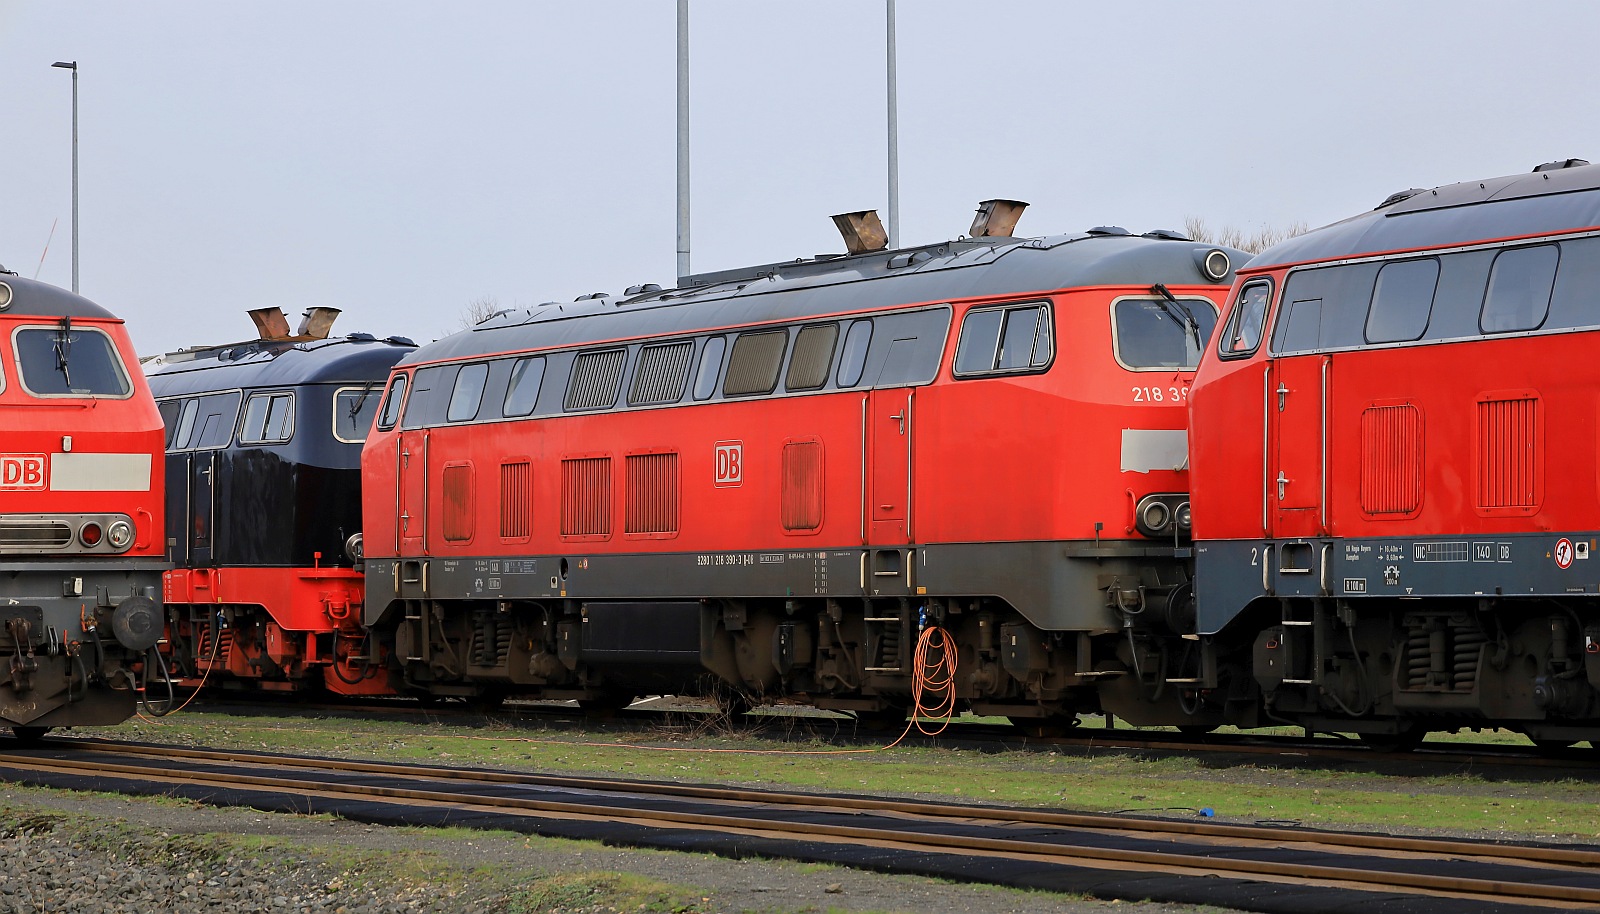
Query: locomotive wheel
[[29, 735]]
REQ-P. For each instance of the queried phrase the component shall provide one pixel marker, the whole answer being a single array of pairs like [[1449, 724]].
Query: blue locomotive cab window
[[854, 358], [705, 380], [1520, 282], [1248, 318], [353, 411], [391, 403], [169, 410], [467, 394], [268, 419], [522, 394], [1154, 334], [995, 340], [68, 361], [180, 439]]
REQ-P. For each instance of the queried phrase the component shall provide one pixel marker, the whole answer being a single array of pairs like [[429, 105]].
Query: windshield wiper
[[63, 346], [1180, 313]]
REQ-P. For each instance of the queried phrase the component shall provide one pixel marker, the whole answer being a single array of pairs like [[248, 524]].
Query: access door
[[888, 425], [411, 476], [1297, 478]]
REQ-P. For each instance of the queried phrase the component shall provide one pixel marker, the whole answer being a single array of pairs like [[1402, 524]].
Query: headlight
[[1155, 515], [1214, 264], [119, 534], [90, 534], [1183, 516]]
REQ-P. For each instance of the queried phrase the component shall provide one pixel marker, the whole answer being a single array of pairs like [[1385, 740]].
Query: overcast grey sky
[[399, 159]]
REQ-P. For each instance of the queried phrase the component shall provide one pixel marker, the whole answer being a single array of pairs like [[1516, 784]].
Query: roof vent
[[1399, 195], [592, 295], [1167, 234], [316, 323], [997, 218], [270, 323], [862, 231], [642, 289], [1559, 164], [1109, 230]]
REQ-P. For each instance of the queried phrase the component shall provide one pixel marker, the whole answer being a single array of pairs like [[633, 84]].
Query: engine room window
[[705, 380], [268, 419], [353, 411], [1402, 300], [1155, 334], [467, 394], [753, 366], [813, 356], [522, 394], [1520, 283], [391, 403], [595, 379], [1004, 339], [854, 358], [67, 361], [1248, 318], [662, 372]]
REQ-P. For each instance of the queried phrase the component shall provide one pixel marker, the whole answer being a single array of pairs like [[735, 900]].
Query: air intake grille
[[21, 535], [586, 496], [457, 491], [595, 376], [1508, 454], [661, 374], [516, 500], [652, 493], [1391, 459], [802, 485]]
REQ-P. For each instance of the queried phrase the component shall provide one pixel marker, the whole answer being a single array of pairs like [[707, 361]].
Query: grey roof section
[[832, 284], [31, 298], [258, 363], [1527, 204]]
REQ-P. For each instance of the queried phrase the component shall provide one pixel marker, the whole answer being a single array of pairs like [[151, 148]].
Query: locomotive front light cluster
[[1163, 515], [1214, 264], [90, 534], [119, 535]]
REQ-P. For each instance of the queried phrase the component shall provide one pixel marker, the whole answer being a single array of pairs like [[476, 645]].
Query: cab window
[[1246, 322], [68, 361], [391, 403], [268, 419], [1157, 334], [995, 340], [353, 412]]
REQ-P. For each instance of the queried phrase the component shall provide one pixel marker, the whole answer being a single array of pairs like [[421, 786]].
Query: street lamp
[[73, 66]]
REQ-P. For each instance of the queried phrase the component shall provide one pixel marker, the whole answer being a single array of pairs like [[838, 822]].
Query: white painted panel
[[1146, 449], [100, 472]]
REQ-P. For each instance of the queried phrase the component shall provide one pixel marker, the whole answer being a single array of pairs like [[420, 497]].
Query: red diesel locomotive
[[81, 551], [1395, 486], [771, 480]]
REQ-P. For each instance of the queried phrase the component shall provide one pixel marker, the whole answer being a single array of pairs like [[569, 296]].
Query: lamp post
[[73, 66], [894, 135]]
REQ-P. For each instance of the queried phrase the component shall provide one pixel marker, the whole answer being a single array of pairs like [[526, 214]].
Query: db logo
[[730, 463], [21, 471]]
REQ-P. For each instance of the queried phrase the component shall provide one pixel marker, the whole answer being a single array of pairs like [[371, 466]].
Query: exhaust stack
[[270, 323], [317, 322], [997, 218], [862, 231]]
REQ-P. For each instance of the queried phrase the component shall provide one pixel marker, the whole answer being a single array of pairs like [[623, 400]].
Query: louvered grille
[[802, 485], [586, 496], [516, 500], [1508, 458], [1391, 459], [661, 374], [753, 367], [813, 354], [456, 486], [652, 493], [595, 376], [29, 534]]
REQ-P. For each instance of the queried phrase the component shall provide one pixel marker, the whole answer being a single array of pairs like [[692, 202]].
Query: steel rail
[[1266, 833], [1170, 861]]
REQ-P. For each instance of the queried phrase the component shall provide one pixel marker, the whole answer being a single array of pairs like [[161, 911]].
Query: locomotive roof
[[1556, 197], [840, 283], [275, 363], [30, 298]]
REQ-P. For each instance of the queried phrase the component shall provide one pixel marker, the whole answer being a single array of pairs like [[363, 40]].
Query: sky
[[402, 160]]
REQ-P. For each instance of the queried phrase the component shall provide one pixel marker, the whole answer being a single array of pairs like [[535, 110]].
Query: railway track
[[1248, 867]]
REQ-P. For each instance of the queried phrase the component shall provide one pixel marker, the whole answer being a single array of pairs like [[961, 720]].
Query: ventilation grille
[[586, 497], [27, 534], [652, 493], [1508, 457], [661, 374], [1391, 460], [753, 367], [802, 485], [813, 354], [595, 376], [457, 486], [516, 500]]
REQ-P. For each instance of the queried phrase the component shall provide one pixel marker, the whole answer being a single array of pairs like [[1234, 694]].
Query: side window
[[180, 440], [268, 419], [1402, 300], [596, 376], [753, 366], [169, 410], [1249, 315], [1520, 282], [219, 413], [813, 356], [522, 394], [429, 396], [705, 380], [854, 358], [661, 374], [467, 394], [353, 411], [1004, 340], [391, 403]]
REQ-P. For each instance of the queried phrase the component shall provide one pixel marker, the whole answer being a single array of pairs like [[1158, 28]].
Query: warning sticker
[[1563, 553]]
